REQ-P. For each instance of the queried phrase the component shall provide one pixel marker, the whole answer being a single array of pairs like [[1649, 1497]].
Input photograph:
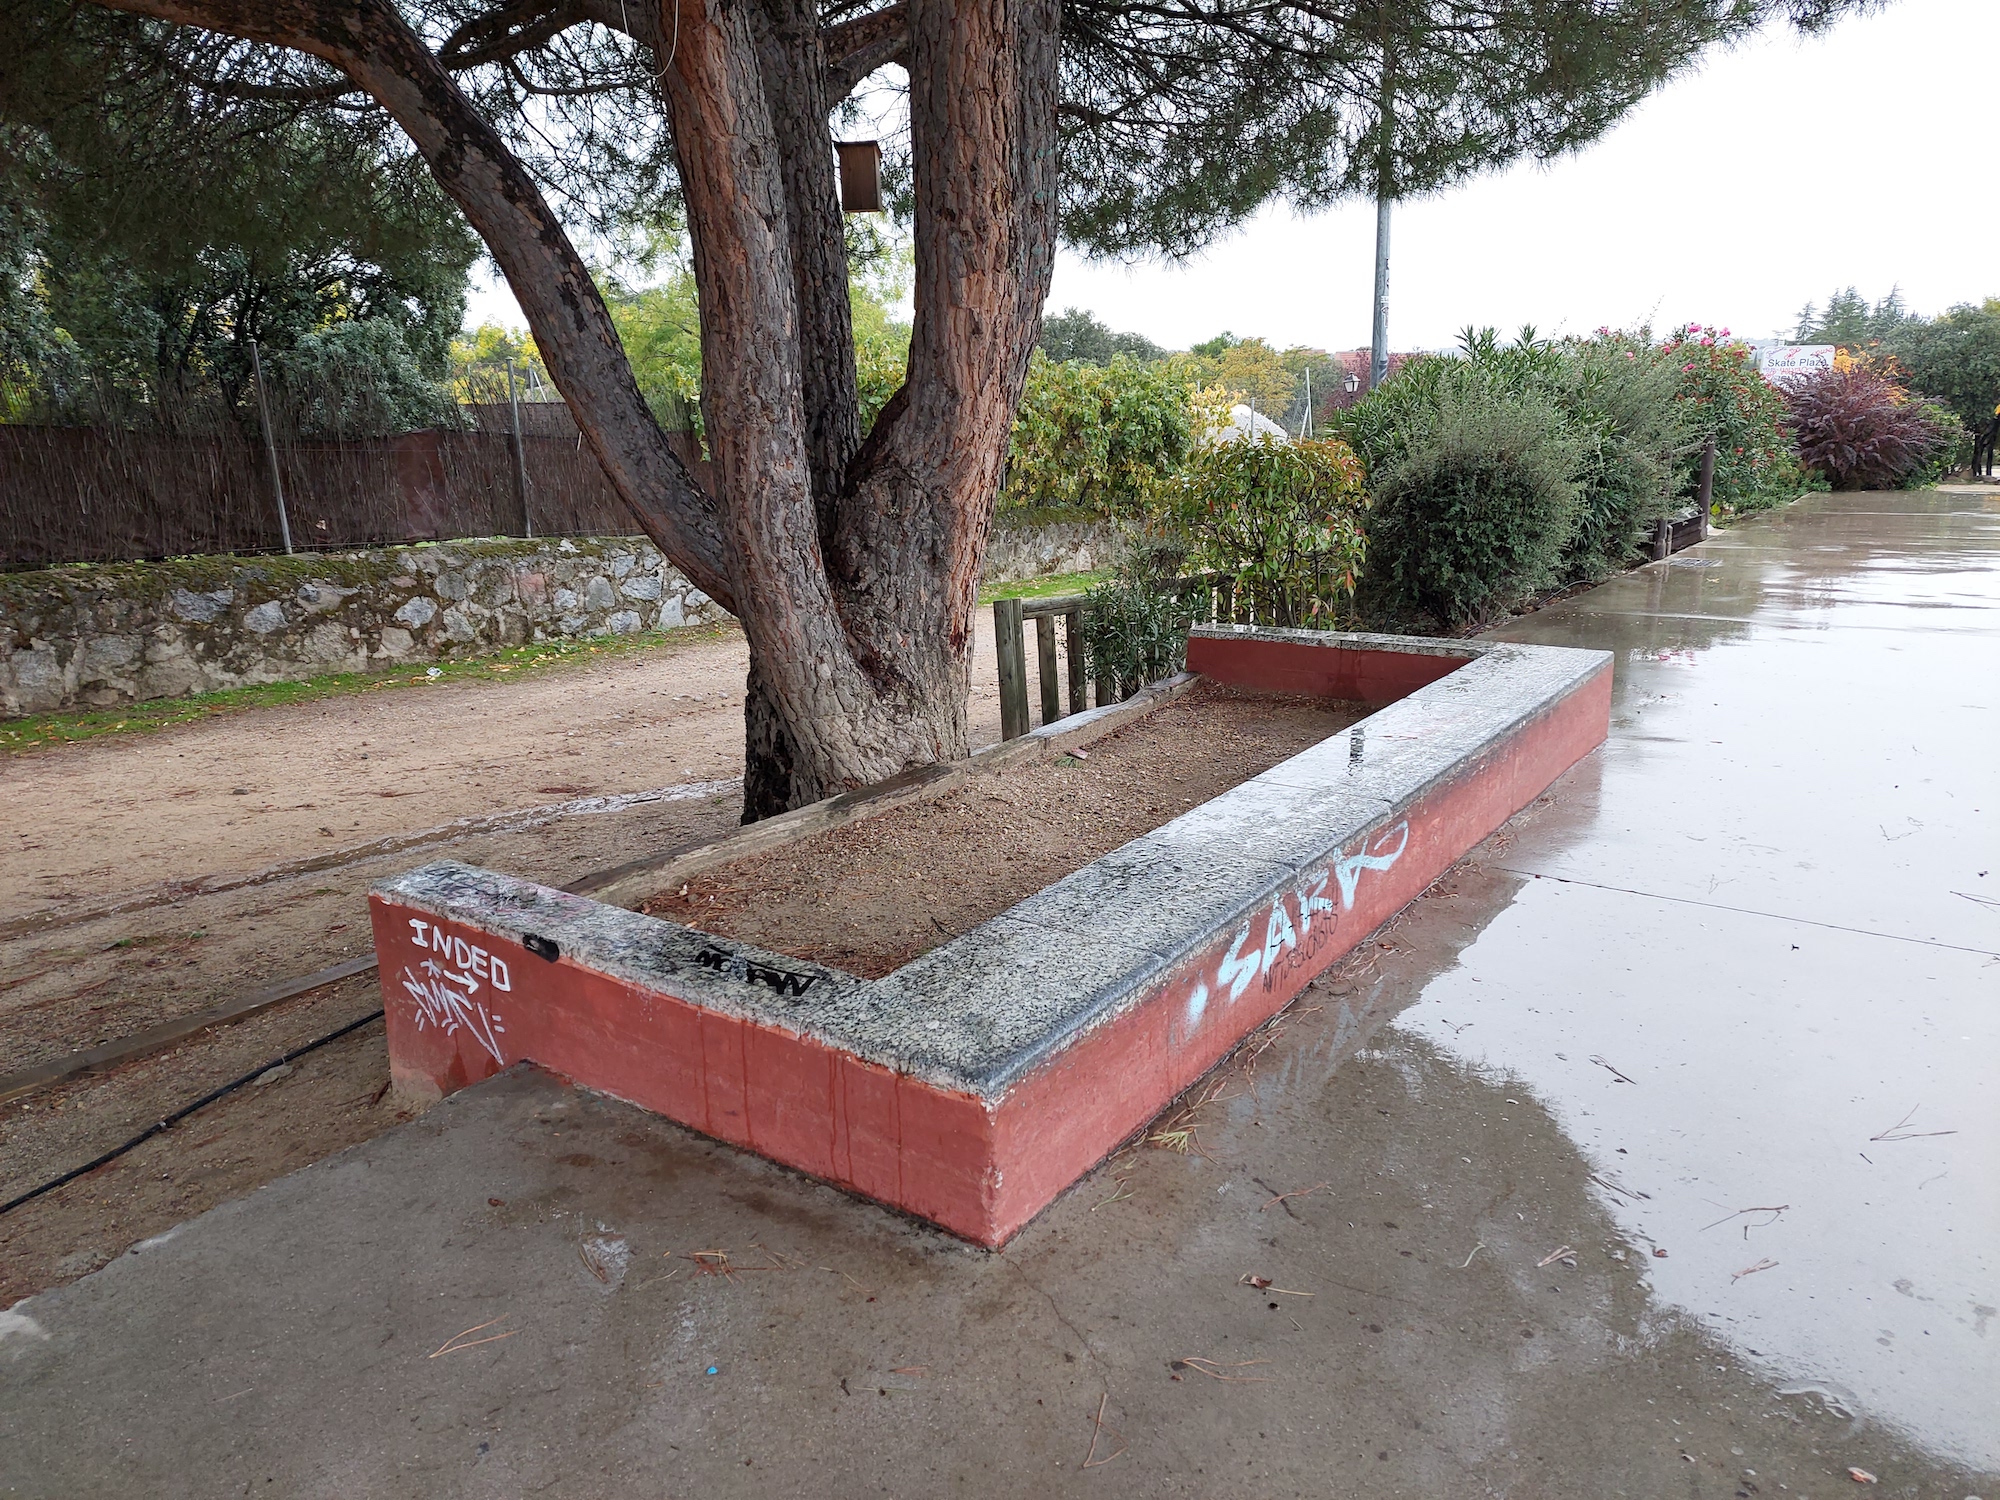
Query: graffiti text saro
[[1298, 926], [447, 993]]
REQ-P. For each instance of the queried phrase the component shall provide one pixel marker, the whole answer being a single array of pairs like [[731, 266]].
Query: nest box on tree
[[860, 176]]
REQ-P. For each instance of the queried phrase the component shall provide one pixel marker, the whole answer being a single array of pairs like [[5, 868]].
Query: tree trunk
[[853, 567], [856, 572]]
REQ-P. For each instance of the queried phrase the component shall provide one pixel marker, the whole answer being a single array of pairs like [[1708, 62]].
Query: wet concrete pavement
[[1774, 904], [1761, 903]]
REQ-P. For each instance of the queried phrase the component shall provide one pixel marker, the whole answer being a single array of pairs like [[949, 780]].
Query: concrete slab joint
[[974, 1085]]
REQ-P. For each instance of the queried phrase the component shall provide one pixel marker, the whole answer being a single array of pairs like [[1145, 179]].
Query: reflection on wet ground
[[1752, 951]]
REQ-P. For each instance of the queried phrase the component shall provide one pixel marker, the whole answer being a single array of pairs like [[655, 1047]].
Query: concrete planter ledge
[[976, 1083]]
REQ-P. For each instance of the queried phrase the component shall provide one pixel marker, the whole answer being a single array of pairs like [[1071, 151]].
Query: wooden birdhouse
[[860, 176]]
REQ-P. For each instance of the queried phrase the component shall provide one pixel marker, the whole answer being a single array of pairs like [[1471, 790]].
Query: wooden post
[[1079, 695], [1225, 601], [1663, 539], [1705, 495], [1012, 652], [520, 454], [1045, 668], [270, 446]]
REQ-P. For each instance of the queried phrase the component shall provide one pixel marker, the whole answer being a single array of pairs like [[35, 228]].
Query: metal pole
[[1378, 360], [1705, 498], [270, 445], [520, 454]]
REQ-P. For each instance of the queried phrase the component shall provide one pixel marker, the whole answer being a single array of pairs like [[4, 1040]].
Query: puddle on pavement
[[1755, 978]]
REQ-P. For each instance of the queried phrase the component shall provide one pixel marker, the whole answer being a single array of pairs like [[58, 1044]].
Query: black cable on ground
[[184, 1111]]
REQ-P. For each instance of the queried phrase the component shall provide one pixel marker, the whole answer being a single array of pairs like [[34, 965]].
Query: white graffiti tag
[[439, 1005], [1347, 868], [1244, 962]]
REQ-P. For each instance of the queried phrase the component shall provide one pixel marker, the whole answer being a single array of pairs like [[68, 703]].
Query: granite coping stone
[[621, 944], [975, 1013], [1354, 640]]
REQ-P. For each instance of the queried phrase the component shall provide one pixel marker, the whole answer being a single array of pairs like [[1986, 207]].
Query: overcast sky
[[1776, 173]]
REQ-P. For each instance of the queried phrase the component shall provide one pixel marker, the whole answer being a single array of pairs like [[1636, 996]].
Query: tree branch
[[857, 47]]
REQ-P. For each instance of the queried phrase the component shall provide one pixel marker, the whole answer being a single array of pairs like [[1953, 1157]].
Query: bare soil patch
[[872, 895]]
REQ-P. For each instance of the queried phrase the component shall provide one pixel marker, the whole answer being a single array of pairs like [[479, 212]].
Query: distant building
[[1245, 423]]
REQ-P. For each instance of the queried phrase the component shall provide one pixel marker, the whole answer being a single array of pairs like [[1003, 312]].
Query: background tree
[[1073, 334], [171, 226], [853, 565], [1849, 321], [1955, 359]]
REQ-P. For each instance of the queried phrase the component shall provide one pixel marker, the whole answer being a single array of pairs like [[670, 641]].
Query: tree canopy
[[1074, 334], [1953, 358], [1183, 118], [162, 227]]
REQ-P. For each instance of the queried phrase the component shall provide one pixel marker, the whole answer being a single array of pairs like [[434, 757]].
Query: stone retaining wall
[[1021, 552], [98, 636], [95, 636]]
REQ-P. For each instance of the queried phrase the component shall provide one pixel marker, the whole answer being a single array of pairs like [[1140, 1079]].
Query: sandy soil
[[105, 817], [138, 884], [871, 896]]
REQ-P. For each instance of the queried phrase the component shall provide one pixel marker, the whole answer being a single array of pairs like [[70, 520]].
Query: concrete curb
[[976, 1083]]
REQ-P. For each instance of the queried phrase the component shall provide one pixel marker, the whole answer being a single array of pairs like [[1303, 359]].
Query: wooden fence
[[110, 493]]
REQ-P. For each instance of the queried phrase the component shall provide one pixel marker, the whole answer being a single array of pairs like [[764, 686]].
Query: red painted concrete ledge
[[975, 1084]]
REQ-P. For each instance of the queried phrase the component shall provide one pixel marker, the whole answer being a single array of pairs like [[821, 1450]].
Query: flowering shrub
[[1281, 520], [1476, 513], [1607, 405], [1135, 623], [1721, 392], [1859, 428]]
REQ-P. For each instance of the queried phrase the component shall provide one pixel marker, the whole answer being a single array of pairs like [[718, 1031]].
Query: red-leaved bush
[[1859, 428]]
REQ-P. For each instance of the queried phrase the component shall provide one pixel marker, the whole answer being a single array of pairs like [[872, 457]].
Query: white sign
[[1794, 359]]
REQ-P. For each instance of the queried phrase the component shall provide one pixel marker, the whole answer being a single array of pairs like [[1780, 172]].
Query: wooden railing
[[1209, 596], [1010, 645], [1669, 536]]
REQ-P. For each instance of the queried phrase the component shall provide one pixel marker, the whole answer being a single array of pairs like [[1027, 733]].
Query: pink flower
[[1694, 328], [1630, 355], [1688, 368], [1725, 333], [1708, 343]]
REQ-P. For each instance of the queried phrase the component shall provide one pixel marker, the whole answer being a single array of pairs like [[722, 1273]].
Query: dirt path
[[147, 877], [214, 892], [248, 791]]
